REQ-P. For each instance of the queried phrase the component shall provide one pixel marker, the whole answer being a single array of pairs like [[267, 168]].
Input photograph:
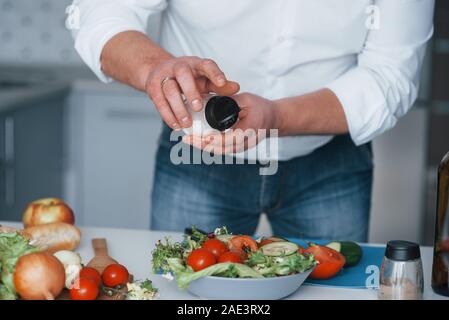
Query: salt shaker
[[401, 275], [218, 113]]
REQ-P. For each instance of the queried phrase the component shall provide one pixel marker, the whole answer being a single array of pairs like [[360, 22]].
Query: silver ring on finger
[[165, 80]]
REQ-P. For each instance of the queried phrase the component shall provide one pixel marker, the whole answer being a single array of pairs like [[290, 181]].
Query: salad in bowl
[[221, 265]]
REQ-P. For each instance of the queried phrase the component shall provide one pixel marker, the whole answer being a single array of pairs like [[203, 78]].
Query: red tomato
[[243, 243], [230, 257], [91, 274], [215, 246], [114, 275], [301, 250], [85, 289], [330, 262], [200, 259], [264, 242]]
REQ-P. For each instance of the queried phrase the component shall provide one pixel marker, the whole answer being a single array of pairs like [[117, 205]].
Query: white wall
[[399, 180], [33, 32]]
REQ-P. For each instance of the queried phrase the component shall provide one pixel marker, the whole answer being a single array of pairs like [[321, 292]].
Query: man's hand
[[257, 114], [133, 58], [188, 76]]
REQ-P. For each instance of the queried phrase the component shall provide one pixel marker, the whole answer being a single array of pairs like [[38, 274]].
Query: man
[[329, 75]]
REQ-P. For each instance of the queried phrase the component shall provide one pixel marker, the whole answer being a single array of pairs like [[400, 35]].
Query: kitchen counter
[[133, 249], [14, 98], [26, 86]]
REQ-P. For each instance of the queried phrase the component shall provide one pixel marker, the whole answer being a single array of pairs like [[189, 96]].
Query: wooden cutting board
[[99, 262]]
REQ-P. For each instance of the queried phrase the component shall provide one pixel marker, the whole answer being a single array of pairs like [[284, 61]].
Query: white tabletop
[[132, 248]]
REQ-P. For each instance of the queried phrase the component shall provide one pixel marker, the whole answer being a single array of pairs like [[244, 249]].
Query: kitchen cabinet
[[31, 155], [112, 140]]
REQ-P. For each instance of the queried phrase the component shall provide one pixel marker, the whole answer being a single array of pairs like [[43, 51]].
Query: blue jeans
[[324, 195]]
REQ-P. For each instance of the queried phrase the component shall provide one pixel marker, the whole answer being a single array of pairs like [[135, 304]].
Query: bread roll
[[53, 237]]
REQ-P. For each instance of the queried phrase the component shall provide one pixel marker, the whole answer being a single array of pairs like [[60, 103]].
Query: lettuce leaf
[[280, 266], [185, 275], [12, 247], [164, 251]]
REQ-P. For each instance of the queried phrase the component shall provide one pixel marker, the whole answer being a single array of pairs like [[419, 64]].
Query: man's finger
[[221, 140], [211, 71], [229, 89], [195, 141], [163, 107], [174, 98], [233, 137], [187, 139], [187, 82]]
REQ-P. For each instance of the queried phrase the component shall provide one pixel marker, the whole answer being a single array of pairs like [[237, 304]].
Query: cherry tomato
[[230, 257], [330, 262], [242, 254], [84, 289], [114, 275], [264, 242], [200, 259], [215, 246], [243, 243], [91, 274], [301, 250]]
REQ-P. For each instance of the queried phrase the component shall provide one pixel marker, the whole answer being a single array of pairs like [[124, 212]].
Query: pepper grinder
[[401, 275]]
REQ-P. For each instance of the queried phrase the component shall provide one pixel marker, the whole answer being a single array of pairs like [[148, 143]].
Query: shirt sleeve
[[384, 84], [100, 20]]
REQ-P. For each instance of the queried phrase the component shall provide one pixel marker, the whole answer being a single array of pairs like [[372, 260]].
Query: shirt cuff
[[364, 104]]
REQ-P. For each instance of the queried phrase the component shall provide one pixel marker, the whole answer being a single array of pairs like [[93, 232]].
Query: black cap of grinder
[[402, 250], [221, 112]]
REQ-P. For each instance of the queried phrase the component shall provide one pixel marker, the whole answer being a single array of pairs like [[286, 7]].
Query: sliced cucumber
[[225, 237], [350, 250], [277, 239], [334, 245], [280, 248]]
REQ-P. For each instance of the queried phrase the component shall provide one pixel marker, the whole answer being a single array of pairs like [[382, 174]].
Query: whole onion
[[39, 276]]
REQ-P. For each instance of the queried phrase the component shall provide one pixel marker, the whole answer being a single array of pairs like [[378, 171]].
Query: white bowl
[[220, 288]]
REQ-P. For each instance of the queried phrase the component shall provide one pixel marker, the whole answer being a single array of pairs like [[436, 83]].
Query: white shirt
[[282, 48]]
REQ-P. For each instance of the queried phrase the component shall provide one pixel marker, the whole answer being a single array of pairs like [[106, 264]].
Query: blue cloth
[[355, 277], [324, 195]]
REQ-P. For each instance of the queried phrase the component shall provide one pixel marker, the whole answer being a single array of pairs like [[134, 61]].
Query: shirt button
[[281, 39]]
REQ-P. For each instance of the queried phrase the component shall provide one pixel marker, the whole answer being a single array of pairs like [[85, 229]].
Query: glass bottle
[[440, 268]]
